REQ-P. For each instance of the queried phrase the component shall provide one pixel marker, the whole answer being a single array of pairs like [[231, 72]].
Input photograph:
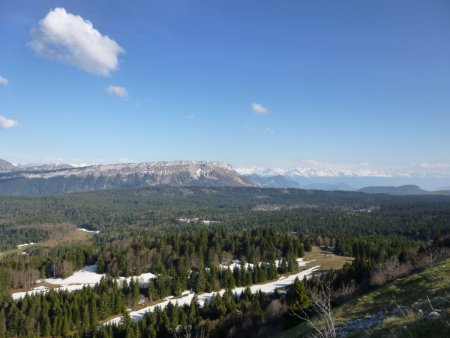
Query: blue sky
[[246, 82]]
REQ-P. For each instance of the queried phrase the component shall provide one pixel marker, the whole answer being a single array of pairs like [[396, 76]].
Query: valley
[[224, 169], [233, 255]]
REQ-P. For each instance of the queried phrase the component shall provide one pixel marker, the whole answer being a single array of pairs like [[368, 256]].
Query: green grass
[[432, 283]]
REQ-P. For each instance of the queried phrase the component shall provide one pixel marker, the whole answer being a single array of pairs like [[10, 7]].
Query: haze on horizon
[[357, 86]]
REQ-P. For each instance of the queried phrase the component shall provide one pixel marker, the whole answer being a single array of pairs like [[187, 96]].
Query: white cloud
[[3, 81], [118, 91], [259, 109], [124, 160], [270, 130], [7, 123], [73, 40]]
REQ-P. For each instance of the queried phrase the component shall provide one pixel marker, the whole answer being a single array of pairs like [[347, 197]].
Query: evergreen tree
[[297, 297]]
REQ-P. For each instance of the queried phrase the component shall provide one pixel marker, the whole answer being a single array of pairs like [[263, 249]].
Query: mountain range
[[53, 179], [6, 167], [319, 176]]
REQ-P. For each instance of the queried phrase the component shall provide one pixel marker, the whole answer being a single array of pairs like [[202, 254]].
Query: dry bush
[[323, 324], [24, 279], [274, 310]]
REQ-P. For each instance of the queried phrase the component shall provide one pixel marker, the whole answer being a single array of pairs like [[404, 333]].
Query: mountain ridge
[[50, 179], [118, 176], [409, 189]]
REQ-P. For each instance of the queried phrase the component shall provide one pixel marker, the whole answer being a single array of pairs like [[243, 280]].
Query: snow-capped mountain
[[6, 167], [323, 176], [42, 167], [308, 169], [117, 176], [312, 172]]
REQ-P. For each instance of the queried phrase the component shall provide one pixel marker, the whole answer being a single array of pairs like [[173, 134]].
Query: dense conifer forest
[[185, 236]]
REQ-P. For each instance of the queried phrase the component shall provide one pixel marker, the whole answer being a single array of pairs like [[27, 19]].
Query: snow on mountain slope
[[312, 172], [119, 176]]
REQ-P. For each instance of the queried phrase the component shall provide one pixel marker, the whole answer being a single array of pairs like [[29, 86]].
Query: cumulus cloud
[[259, 109], [71, 39], [7, 123], [3, 81], [118, 91]]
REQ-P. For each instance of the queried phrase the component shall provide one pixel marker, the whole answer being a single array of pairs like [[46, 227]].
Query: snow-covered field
[[88, 277], [205, 297], [79, 279], [36, 290]]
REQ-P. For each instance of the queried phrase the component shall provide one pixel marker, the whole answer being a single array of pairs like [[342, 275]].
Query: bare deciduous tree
[[323, 323]]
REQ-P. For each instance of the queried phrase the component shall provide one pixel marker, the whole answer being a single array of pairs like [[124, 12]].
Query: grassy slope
[[326, 259], [60, 234], [432, 283]]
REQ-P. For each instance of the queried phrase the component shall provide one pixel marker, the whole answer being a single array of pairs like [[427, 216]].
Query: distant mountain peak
[[313, 171], [5, 166]]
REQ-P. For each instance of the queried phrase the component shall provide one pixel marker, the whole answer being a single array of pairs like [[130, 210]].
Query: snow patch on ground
[[237, 263], [36, 290], [206, 297], [25, 245], [301, 262], [86, 277], [196, 220], [89, 231]]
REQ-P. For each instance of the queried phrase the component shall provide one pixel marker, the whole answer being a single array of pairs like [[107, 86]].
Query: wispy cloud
[[7, 123], [118, 91], [71, 39], [3, 81], [270, 130], [259, 109]]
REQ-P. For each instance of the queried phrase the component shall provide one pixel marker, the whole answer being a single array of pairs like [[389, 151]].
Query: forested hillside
[[197, 240]]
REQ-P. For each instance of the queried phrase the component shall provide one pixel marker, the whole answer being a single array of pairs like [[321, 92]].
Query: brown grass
[[326, 259], [60, 233]]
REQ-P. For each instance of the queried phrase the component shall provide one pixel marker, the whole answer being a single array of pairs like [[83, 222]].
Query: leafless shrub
[[345, 292], [274, 310], [226, 257], [23, 279], [323, 324], [389, 271]]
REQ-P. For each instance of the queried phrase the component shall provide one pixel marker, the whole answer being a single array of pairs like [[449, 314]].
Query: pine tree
[[297, 296], [93, 314], [2, 323]]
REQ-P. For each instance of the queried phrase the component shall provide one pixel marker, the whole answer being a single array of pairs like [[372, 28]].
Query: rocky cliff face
[[119, 176]]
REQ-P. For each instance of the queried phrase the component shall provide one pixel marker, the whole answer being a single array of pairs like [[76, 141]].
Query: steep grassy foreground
[[414, 306]]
